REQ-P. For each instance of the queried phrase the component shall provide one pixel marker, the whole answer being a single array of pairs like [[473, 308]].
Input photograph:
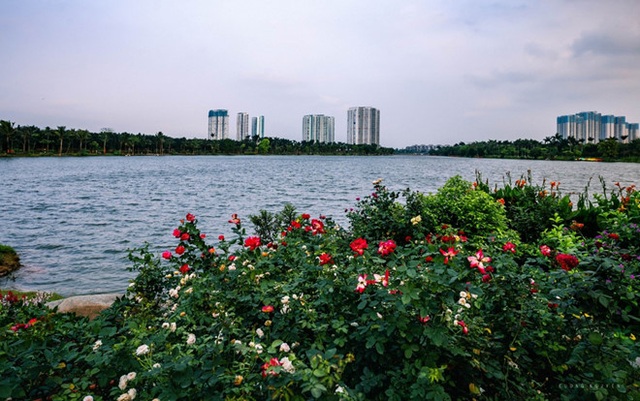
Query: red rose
[[546, 251], [220, 237], [184, 268], [306, 216], [190, 217], [185, 237], [180, 249], [252, 242], [177, 233], [267, 309], [567, 262], [325, 259], [359, 245], [386, 247], [318, 226]]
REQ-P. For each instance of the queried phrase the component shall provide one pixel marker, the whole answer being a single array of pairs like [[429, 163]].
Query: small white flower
[[259, 348], [124, 397], [232, 267], [132, 393], [165, 325], [376, 182], [260, 333], [339, 389], [172, 327], [88, 398], [131, 376], [284, 347], [97, 345], [156, 365], [189, 290], [285, 309], [142, 350], [173, 293], [285, 299], [122, 384], [379, 315], [287, 365], [191, 339], [463, 294]]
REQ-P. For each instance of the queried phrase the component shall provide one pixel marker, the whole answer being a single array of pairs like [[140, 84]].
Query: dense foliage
[[550, 148], [32, 140], [440, 296]]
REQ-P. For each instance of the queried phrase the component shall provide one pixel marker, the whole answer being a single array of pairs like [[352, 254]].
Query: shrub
[[320, 312]]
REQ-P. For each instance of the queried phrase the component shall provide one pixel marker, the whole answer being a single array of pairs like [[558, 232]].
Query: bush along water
[[425, 296]]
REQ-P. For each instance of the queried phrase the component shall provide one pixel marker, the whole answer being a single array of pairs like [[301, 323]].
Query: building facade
[[593, 127], [257, 127], [218, 124], [242, 126], [318, 128], [363, 126]]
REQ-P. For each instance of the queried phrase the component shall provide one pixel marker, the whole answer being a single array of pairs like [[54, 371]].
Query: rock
[[85, 305], [9, 260]]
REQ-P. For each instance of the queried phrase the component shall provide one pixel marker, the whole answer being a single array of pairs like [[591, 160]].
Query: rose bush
[[413, 301]]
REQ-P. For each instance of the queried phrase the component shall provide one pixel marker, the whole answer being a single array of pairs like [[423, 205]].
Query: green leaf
[[595, 338]]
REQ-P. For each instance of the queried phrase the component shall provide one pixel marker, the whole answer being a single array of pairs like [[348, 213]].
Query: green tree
[[7, 130], [60, 132]]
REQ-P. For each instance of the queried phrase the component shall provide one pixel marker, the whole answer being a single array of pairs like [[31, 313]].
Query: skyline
[[440, 72]]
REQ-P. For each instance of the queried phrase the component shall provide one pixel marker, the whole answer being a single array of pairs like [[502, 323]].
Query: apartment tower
[[318, 128], [218, 124], [257, 127], [363, 126], [242, 126]]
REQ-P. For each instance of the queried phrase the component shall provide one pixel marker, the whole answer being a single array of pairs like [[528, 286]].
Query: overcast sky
[[440, 72]]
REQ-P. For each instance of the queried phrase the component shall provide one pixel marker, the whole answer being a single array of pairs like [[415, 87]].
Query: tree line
[[62, 141], [551, 148]]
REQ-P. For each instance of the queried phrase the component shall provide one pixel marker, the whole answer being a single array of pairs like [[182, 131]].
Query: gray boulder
[[85, 305]]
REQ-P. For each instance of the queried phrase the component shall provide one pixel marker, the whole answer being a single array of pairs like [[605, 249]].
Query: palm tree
[[60, 132], [7, 129], [82, 135]]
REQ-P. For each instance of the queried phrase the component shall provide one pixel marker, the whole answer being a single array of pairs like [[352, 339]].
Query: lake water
[[73, 219]]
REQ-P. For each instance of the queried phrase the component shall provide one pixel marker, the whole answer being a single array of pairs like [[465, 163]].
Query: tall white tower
[[363, 126], [242, 126], [218, 124]]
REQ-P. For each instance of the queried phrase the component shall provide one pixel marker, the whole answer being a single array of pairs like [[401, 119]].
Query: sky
[[439, 71]]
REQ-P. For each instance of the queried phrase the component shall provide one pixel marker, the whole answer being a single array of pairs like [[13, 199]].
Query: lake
[[72, 220]]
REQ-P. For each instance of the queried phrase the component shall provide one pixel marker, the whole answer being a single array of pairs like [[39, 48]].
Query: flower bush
[[413, 301]]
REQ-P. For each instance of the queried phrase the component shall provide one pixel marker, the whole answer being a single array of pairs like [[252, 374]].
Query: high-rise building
[[363, 126], [592, 127], [242, 126], [257, 127], [318, 128], [218, 124]]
